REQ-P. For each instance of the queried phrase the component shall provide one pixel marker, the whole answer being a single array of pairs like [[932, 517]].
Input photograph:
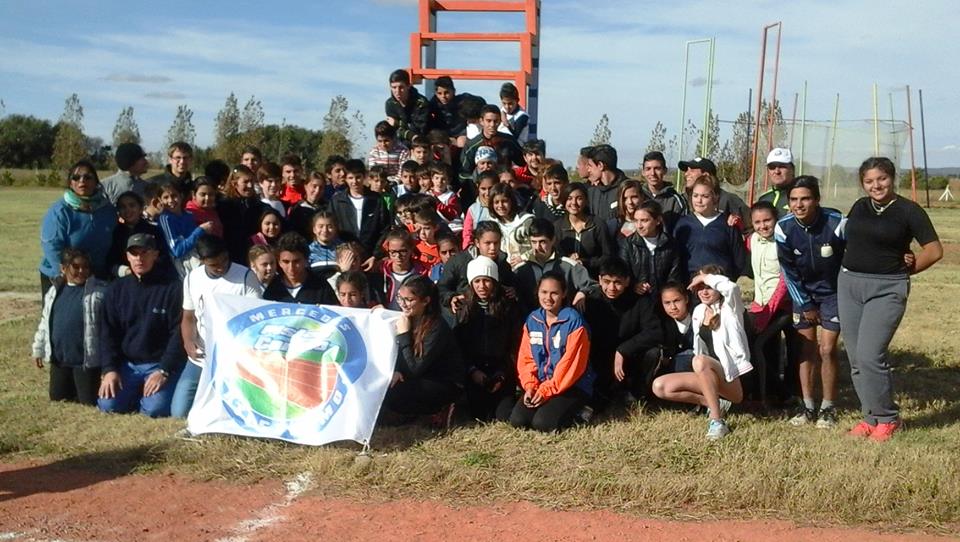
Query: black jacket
[[453, 281], [300, 216], [141, 322], [593, 246], [490, 344], [504, 145], [663, 265], [376, 218], [440, 360], [673, 341], [447, 117], [412, 117], [603, 199], [314, 291], [241, 219], [628, 324]]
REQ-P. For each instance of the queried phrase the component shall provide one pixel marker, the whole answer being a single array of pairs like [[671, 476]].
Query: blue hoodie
[[64, 227]]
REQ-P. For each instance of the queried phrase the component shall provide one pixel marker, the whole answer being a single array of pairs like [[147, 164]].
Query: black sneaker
[[803, 416], [827, 419]]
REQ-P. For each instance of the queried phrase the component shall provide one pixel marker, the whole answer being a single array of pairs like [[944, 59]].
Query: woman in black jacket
[[240, 213], [651, 253], [429, 371], [488, 330], [581, 236]]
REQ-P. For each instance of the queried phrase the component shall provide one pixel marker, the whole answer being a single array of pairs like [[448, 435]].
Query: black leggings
[[555, 414], [74, 384], [420, 397]]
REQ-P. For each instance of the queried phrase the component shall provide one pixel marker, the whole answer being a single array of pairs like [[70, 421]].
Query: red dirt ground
[[44, 503]]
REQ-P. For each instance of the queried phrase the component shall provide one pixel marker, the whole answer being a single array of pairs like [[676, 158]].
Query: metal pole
[[893, 133], [913, 165], [749, 125], [876, 124], [683, 103], [803, 125], [773, 98], [683, 109], [923, 142], [833, 143], [793, 119], [705, 143], [756, 133]]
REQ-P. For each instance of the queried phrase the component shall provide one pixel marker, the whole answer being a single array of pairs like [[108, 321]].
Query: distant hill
[[944, 171]]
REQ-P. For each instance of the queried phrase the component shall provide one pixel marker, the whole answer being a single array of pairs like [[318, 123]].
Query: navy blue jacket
[[141, 322], [716, 243], [810, 256]]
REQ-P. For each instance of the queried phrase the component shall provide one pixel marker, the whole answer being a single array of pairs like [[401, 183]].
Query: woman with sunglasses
[[83, 219]]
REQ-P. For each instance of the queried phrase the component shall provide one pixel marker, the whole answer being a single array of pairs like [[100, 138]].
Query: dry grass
[[643, 462]]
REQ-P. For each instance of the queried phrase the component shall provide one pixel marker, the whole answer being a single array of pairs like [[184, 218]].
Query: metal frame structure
[[759, 102], [423, 48], [704, 142]]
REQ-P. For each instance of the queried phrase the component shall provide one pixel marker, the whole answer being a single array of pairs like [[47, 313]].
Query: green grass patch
[[643, 462]]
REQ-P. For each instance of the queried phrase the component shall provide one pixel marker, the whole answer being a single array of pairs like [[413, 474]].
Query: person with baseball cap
[[131, 164], [780, 171], [141, 349], [729, 202]]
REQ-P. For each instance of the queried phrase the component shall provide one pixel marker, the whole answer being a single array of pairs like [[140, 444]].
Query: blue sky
[[622, 58]]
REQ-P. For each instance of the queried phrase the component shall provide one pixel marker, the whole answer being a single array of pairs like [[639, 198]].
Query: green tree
[[712, 150], [602, 133], [251, 124], [287, 139], [658, 139], [337, 127], [68, 144], [126, 130], [227, 130], [182, 128], [25, 141]]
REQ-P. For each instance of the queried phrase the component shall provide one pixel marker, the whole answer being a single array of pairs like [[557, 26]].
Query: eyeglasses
[[83, 177], [406, 300], [774, 166], [400, 252]]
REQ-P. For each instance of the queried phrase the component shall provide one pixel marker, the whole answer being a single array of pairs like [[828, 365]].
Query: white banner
[[302, 373]]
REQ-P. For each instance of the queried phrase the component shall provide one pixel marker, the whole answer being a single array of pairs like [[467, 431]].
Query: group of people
[[524, 296]]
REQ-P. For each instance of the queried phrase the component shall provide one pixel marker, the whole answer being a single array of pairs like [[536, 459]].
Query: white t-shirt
[[238, 280], [651, 243], [704, 220], [276, 204], [358, 208]]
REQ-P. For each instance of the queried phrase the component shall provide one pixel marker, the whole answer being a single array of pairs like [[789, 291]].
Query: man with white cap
[[780, 170]]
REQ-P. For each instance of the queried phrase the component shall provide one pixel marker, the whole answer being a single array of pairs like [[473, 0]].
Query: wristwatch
[[164, 373]]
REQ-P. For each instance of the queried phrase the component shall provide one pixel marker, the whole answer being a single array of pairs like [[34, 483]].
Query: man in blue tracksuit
[[810, 245], [141, 349]]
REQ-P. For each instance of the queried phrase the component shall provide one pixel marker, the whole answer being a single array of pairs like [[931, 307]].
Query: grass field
[[645, 462]]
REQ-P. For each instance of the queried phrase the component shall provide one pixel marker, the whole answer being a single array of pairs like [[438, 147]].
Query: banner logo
[[296, 365]]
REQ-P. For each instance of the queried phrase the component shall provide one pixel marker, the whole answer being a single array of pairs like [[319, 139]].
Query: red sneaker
[[862, 429], [883, 431]]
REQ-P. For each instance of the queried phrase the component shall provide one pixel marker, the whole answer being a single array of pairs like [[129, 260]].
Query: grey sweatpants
[[871, 307]]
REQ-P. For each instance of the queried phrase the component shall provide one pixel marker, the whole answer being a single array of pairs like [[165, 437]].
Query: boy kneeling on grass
[[720, 348]]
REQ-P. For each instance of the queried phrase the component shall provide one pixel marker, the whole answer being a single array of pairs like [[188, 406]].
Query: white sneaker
[[717, 429]]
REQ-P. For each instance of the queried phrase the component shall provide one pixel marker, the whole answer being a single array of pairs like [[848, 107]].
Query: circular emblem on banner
[[292, 366]]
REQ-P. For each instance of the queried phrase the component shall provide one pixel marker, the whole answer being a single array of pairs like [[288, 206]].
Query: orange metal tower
[[423, 48]]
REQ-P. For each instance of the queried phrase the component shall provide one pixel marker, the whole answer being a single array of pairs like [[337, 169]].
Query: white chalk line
[[271, 514]]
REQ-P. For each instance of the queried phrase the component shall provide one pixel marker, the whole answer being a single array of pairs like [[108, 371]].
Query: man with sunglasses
[[780, 171]]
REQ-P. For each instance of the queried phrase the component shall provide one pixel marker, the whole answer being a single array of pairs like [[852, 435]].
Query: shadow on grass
[[73, 473]]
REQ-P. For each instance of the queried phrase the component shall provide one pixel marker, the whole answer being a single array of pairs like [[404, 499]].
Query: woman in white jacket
[[721, 352]]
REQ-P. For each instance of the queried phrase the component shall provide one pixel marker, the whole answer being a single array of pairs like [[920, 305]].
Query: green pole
[[833, 143], [803, 125], [683, 100], [705, 140], [876, 123]]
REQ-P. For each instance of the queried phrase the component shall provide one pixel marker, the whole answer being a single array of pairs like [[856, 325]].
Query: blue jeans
[[130, 396], [186, 390]]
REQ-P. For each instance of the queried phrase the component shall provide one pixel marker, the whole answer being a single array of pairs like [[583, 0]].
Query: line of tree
[[31, 142]]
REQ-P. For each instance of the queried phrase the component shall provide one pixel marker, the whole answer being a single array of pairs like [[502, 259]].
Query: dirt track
[[46, 503]]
